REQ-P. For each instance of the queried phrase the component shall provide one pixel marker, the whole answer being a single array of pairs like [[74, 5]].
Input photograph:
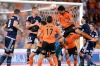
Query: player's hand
[[94, 40], [21, 30], [37, 23]]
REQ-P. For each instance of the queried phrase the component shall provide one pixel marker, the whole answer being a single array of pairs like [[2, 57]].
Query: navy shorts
[[88, 48], [9, 45], [31, 38]]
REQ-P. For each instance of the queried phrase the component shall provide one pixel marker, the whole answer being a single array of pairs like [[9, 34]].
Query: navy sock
[[87, 59], [59, 63], [28, 53], [81, 60], [9, 61], [3, 57]]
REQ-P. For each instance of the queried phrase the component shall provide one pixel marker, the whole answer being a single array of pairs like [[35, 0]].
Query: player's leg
[[9, 45], [84, 55], [3, 57], [33, 53], [28, 51], [52, 50], [43, 52], [68, 60], [60, 57], [31, 58], [75, 55], [50, 61], [9, 59], [10, 53], [58, 50], [68, 54], [29, 45]]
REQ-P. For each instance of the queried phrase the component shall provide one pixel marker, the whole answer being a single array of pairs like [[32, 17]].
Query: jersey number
[[9, 23], [49, 29]]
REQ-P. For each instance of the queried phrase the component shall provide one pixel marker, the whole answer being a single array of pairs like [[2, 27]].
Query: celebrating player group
[[49, 40]]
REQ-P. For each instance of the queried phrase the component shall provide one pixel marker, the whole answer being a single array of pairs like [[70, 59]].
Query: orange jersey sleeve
[[49, 32], [71, 40], [64, 18]]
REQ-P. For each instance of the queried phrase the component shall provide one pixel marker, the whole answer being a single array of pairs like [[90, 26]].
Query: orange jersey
[[71, 40], [63, 19], [49, 32]]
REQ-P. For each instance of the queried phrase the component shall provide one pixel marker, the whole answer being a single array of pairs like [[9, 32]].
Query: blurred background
[[91, 10]]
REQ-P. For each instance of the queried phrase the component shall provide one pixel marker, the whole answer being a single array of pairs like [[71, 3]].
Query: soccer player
[[39, 48], [32, 23], [87, 50], [71, 48], [49, 31], [66, 20], [12, 27]]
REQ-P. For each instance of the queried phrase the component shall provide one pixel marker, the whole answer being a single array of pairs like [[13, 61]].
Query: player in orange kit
[[71, 47], [68, 25], [49, 31], [39, 48]]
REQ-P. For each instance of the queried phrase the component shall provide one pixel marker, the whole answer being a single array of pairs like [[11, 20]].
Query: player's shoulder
[[30, 16], [15, 17]]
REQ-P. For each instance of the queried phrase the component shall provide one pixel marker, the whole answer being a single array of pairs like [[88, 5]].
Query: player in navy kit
[[32, 23], [87, 50], [12, 28]]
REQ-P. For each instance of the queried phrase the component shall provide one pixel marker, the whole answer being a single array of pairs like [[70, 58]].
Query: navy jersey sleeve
[[28, 19], [16, 19]]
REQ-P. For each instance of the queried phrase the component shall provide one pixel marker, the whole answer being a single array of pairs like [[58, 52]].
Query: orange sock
[[55, 60], [31, 61], [51, 63], [40, 62], [75, 63], [68, 62]]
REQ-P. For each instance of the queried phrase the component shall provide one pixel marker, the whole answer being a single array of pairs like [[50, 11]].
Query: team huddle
[[49, 40]]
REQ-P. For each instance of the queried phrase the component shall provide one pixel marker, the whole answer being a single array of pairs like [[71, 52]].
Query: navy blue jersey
[[94, 34], [12, 31], [86, 28], [32, 20]]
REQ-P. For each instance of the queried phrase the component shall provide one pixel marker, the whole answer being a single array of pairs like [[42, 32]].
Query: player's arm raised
[[15, 24]]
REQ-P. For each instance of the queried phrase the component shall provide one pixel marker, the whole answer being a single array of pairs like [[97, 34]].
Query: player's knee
[[32, 55]]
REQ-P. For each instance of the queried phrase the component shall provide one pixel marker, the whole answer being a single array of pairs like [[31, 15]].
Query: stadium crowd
[[91, 10]]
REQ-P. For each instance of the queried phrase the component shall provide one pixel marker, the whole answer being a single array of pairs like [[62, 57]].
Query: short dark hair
[[16, 11], [92, 24], [43, 22], [49, 19], [34, 7], [85, 18], [61, 8]]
